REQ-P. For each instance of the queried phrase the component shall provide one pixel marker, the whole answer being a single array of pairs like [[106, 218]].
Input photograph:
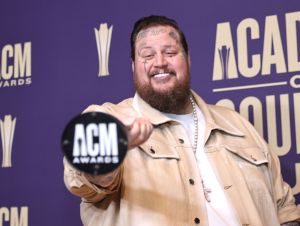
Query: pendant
[[206, 192]]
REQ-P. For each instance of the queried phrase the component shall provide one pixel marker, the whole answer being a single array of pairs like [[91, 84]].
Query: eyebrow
[[139, 51], [164, 47], [144, 45], [169, 46]]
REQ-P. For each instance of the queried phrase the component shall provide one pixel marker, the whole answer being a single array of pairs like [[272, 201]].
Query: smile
[[161, 75]]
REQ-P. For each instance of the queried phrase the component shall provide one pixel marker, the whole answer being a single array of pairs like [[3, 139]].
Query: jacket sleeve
[[91, 190], [287, 209]]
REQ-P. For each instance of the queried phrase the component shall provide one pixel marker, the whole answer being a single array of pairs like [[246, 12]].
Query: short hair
[[152, 21]]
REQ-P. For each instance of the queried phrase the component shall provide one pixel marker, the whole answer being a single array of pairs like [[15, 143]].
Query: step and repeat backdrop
[[58, 57]]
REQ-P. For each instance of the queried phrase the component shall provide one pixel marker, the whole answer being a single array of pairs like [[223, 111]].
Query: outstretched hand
[[139, 128]]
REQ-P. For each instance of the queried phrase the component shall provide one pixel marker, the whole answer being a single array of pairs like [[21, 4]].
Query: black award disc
[[95, 142]]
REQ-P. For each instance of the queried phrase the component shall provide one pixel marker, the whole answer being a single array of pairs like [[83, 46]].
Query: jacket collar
[[214, 119], [144, 109]]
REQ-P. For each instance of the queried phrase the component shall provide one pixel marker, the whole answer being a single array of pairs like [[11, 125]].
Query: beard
[[171, 101]]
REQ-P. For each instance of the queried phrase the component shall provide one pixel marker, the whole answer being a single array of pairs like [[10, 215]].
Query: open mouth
[[162, 74]]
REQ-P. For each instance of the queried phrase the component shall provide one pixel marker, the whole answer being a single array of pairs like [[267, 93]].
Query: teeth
[[161, 75]]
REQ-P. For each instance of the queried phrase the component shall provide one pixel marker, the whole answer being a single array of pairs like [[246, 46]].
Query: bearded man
[[188, 163]]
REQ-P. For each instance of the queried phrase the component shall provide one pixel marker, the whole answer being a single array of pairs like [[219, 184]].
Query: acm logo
[[17, 216], [86, 150], [15, 65]]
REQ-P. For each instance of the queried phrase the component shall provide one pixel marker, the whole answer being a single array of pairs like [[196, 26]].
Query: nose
[[160, 60]]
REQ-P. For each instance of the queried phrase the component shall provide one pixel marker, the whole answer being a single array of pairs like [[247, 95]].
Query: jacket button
[[192, 182], [253, 158], [197, 220], [181, 140], [152, 150]]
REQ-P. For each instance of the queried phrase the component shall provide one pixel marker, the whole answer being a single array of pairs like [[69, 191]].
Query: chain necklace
[[195, 119]]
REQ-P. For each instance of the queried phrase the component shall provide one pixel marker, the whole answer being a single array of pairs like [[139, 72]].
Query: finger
[[133, 134], [145, 129], [139, 132]]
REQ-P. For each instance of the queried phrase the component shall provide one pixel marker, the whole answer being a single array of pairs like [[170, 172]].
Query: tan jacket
[[159, 182]]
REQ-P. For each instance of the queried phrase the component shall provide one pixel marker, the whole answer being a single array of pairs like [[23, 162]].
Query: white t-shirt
[[219, 210]]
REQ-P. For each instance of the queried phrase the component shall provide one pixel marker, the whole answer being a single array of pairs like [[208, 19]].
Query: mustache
[[162, 71]]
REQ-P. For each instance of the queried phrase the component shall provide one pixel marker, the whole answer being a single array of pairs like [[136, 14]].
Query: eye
[[147, 55], [170, 52]]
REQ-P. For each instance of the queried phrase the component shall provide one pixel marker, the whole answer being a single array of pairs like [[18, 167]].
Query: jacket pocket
[[158, 149], [253, 155]]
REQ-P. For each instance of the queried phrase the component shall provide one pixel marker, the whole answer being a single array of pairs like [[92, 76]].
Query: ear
[[189, 61], [132, 66]]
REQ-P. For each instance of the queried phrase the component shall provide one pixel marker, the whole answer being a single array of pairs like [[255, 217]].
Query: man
[[189, 163]]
